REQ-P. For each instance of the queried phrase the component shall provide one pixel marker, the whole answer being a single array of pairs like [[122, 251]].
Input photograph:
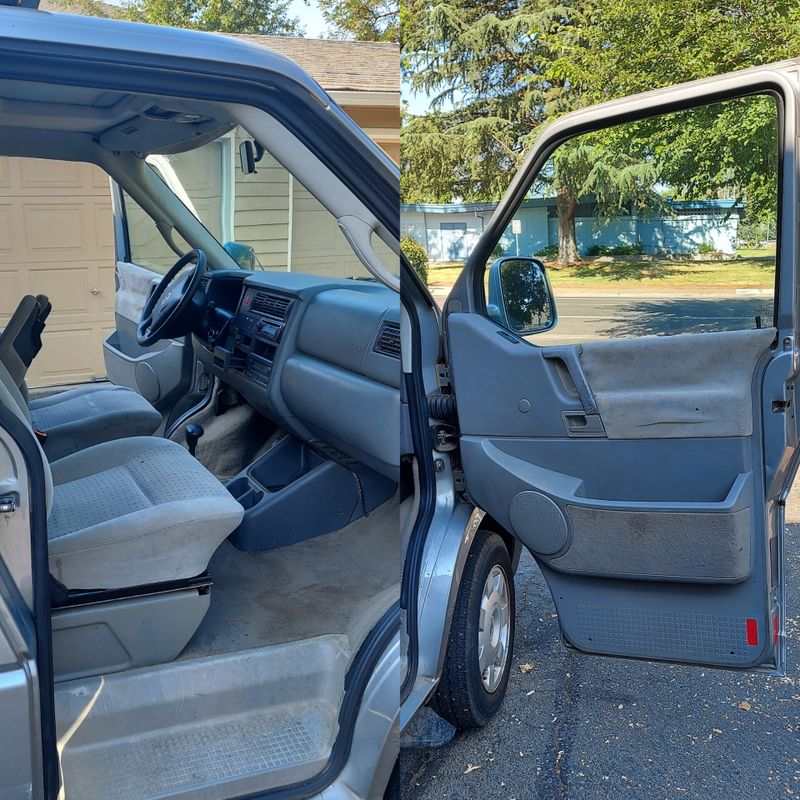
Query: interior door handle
[[569, 357], [94, 290]]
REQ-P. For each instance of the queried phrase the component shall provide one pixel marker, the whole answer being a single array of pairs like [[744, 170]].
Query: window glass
[[148, 247], [266, 219], [657, 227]]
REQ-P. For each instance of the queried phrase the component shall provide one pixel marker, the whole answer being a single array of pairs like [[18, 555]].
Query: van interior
[[224, 512]]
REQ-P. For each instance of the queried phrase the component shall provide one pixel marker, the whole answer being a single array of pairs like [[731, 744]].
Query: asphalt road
[[583, 318], [583, 728]]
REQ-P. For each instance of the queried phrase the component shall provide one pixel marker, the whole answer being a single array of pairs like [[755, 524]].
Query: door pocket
[[705, 542]]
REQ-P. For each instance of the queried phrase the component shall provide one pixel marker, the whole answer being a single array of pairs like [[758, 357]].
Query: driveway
[[582, 728]]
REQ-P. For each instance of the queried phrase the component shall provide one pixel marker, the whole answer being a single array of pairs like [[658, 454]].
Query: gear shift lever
[[193, 433]]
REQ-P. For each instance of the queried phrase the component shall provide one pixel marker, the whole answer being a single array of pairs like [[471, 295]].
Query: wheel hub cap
[[494, 628]]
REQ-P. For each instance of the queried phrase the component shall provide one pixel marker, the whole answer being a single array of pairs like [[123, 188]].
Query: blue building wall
[[682, 233]]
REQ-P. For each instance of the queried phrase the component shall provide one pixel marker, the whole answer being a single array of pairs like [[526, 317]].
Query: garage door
[[56, 238]]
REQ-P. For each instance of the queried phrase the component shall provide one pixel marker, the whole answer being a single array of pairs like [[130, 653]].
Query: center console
[[254, 334]]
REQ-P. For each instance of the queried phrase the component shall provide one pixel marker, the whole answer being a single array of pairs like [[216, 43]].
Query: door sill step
[[205, 729]]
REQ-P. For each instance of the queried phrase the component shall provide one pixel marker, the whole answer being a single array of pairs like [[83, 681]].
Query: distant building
[[448, 232]]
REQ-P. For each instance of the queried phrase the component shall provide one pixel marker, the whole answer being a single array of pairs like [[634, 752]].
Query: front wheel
[[478, 660]]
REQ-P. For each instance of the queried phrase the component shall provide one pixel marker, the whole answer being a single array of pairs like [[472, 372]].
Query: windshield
[[265, 220]]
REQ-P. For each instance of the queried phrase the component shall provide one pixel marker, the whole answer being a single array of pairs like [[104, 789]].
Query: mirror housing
[[243, 254], [520, 297], [250, 153]]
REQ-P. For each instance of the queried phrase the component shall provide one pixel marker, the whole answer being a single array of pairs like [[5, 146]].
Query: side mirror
[[242, 254], [247, 157], [250, 153], [520, 297]]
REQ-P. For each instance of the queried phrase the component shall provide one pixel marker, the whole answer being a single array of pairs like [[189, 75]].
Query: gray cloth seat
[[79, 418], [129, 512], [133, 512]]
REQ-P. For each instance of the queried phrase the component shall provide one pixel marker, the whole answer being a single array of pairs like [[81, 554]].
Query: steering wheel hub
[[169, 311]]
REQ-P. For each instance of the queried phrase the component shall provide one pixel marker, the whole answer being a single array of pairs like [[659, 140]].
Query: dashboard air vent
[[273, 305], [388, 341]]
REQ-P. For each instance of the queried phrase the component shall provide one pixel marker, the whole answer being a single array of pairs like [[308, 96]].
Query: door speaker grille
[[539, 522]]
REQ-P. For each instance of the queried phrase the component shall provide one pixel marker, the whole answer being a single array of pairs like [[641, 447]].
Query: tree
[[416, 255], [365, 20], [266, 17], [88, 8], [617, 177], [497, 72]]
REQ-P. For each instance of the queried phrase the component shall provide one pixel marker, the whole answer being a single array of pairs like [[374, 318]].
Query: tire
[[462, 696]]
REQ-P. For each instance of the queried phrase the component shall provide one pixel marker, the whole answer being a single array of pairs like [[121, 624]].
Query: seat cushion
[[82, 417], [133, 512]]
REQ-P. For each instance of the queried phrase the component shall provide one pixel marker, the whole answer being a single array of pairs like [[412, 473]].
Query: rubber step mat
[[187, 760], [205, 729]]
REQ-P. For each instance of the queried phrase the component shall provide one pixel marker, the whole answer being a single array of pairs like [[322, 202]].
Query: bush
[[706, 247], [551, 251], [416, 255], [595, 250]]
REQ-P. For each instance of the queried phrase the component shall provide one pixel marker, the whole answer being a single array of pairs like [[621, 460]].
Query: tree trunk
[[567, 245]]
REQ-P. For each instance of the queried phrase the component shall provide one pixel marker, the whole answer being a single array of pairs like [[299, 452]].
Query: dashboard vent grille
[[272, 304], [388, 342]]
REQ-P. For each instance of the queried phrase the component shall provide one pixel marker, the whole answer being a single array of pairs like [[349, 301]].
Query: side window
[[148, 248], [653, 227]]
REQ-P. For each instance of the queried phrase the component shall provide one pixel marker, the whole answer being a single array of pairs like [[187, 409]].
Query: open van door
[[647, 474]]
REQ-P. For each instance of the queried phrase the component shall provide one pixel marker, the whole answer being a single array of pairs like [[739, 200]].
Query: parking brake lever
[[193, 434]]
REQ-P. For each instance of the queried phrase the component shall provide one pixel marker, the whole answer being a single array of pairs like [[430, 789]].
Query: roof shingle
[[339, 65], [335, 64]]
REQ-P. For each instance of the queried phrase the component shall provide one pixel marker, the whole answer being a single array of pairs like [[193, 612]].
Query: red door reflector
[[752, 631], [775, 632]]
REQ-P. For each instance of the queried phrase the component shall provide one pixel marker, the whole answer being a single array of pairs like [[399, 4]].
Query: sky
[[308, 12]]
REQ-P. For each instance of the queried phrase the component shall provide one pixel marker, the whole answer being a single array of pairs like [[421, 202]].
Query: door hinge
[[442, 375], [8, 503], [445, 438]]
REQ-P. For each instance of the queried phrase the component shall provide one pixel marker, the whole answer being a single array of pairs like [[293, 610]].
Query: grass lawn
[[751, 272]]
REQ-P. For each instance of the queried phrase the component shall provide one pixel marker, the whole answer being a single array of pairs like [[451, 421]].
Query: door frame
[[42, 683]]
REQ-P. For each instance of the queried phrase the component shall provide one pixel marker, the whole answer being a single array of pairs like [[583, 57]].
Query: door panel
[[162, 373], [676, 386], [651, 530]]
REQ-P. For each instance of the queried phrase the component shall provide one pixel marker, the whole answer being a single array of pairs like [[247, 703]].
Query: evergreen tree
[[496, 72], [365, 20]]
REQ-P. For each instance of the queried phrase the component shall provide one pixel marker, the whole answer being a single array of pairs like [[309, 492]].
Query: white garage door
[[56, 238]]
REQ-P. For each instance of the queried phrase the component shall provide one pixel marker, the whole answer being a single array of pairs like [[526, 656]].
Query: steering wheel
[[166, 313]]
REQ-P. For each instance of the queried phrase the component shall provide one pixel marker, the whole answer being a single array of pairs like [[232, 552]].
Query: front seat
[[77, 418], [134, 512], [130, 512]]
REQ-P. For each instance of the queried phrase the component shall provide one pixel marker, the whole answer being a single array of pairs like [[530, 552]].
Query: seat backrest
[[11, 398], [21, 339]]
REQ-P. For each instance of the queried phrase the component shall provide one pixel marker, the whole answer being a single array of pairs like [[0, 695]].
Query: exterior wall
[[261, 218], [533, 236], [378, 115], [682, 233]]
